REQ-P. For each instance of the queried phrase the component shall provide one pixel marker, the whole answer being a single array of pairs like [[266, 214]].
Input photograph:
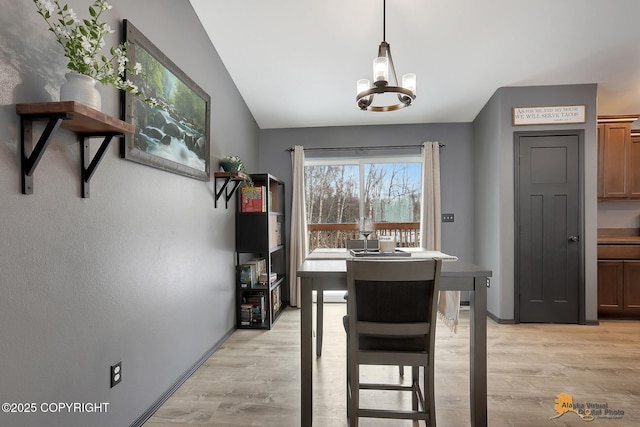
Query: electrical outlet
[[116, 374], [447, 217]]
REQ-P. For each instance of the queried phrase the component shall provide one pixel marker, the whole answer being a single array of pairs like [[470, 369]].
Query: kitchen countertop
[[619, 240], [618, 236]]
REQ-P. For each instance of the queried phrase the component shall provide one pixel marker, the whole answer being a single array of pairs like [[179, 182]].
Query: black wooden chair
[[391, 315]]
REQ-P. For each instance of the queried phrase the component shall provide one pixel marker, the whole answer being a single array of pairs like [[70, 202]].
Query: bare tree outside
[[332, 193], [395, 195], [391, 192]]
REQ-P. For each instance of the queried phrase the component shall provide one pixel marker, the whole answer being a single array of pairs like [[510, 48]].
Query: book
[[260, 263], [253, 199], [276, 299], [257, 308], [275, 235], [272, 277], [258, 267], [248, 275], [246, 314], [250, 272]]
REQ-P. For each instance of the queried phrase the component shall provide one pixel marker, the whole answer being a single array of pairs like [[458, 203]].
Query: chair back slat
[[423, 328]]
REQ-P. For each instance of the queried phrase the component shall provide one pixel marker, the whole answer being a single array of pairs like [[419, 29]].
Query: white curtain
[[430, 211], [298, 244], [430, 226]]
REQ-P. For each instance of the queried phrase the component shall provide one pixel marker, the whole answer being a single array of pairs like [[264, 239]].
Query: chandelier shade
[[384, 73]]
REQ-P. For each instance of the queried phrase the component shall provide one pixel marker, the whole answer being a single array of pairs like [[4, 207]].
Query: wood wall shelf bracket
[[29, 162], [236, 177], [84, 121], [89, 165]]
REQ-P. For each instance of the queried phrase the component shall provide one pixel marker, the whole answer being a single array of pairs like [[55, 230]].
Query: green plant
[[238, 165], [83, 41]]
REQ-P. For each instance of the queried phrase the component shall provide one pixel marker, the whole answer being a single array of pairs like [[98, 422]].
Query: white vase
[[82, 89]]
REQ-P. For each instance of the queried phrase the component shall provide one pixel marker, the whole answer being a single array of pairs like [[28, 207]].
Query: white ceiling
[[296, 62]]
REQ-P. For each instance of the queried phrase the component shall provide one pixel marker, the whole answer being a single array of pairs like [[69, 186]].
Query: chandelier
[[383, 69]]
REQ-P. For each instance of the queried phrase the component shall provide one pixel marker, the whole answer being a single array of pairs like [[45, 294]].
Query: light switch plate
[[447, 217]]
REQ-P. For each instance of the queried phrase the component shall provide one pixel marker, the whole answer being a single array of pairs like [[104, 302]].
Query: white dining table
[[326, 269]]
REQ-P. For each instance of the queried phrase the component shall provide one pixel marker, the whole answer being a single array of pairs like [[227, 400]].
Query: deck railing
[[407, 234]]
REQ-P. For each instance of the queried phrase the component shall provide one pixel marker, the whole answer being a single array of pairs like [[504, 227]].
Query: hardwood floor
[[254, 378]]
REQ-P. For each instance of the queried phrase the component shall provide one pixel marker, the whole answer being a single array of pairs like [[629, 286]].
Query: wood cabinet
[[618, 158], [610, 287], [633, 174], [260, 235], [619, 280], [631, 291]]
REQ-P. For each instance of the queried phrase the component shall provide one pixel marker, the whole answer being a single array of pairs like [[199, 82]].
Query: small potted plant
[[235, 164]]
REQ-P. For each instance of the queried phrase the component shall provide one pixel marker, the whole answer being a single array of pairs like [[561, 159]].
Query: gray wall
[[456, 165], [143, 271], [494, 186]]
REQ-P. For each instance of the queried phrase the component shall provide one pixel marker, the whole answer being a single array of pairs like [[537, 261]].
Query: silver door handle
[[574, 238]]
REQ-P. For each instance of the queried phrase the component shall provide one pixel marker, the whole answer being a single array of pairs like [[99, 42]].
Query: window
[[339, 191]]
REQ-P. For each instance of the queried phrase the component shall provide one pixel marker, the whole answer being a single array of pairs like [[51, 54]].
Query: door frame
[[581, 204]]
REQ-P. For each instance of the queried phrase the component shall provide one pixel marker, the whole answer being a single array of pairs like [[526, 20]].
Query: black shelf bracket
[[30, 162], [89, 165], [84, 122], [228, 193]]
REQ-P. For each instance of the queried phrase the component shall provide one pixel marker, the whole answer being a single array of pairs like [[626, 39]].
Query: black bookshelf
[[261, 235]]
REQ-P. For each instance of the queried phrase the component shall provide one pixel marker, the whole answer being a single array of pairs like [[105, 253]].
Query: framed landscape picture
[[175, 135]]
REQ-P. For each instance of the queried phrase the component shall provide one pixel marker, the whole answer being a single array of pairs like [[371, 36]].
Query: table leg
[[478, 351], [319, 321], [306, 350]]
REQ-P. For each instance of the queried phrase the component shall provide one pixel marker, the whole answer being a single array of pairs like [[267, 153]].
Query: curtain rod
[[379, 147]]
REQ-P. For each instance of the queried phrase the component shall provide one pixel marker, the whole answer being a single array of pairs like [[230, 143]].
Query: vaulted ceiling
[[296, 62]]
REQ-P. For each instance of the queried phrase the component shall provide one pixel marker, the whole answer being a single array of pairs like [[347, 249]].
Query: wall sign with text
[[560, 114]]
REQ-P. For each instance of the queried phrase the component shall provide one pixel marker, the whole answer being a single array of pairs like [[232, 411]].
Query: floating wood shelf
[[86, 122], [236, 177]]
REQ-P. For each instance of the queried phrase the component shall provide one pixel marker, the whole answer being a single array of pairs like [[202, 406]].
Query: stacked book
[[263, 279], [252, 310]]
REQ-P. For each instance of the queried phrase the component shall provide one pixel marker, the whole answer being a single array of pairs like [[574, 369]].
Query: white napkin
[[449, 309], [448, 301]]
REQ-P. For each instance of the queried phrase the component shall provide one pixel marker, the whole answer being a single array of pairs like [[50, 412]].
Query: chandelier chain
[[384, 20]]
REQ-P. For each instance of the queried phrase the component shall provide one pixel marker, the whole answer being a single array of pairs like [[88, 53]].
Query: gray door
[[548, 246]]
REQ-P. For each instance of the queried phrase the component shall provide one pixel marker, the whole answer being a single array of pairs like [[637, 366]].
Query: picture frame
[[175, 136]]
